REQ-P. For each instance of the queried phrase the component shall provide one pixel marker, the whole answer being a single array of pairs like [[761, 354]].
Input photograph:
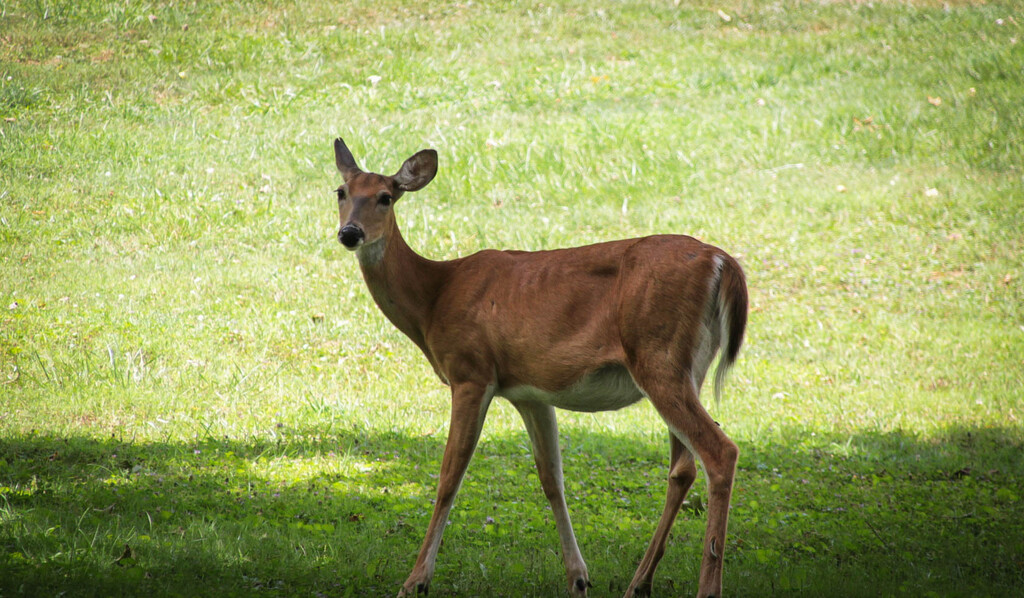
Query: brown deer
[[592, 328]]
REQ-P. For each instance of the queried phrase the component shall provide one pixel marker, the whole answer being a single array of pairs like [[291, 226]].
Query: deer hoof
[[579, 587], [641, 591], [420, 588]]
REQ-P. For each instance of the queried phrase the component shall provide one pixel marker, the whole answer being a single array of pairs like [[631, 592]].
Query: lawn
[[198, 396]]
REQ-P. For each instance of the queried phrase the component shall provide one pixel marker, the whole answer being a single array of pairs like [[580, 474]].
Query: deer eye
[[341, 193], [384, 200]]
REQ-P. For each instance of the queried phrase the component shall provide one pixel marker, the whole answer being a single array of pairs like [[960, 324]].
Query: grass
[[191, 367]]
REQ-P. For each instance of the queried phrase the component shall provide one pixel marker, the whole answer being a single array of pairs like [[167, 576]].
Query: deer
[[591, 328]]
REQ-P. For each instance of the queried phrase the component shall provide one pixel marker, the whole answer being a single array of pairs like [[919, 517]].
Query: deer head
[[365, 199]]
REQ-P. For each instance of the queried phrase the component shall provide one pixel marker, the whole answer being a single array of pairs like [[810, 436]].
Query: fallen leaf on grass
[[960, 473], [939, 275], [126, 559], [868, 124], [935, 101]]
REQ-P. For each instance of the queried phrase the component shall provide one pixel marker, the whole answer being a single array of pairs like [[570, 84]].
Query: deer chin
[[369, 254]]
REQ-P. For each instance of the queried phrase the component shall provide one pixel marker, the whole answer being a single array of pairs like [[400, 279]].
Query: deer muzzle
[[351, 236]]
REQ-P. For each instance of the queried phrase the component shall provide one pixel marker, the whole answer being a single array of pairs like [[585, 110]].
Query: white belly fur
[[607, 389]]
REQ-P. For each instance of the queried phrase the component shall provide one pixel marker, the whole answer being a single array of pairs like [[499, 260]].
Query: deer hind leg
[[682, 473], [543, 430], [469, 408], [675, 396]]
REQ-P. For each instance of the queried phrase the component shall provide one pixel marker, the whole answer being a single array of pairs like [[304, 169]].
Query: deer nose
[[351, 236]]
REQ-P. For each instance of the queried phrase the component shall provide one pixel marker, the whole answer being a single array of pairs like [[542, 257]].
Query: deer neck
[[402, 283]]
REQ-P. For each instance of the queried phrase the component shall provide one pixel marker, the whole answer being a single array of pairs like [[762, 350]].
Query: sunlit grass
[[190, 365]]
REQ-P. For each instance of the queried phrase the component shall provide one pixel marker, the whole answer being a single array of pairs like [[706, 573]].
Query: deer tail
[[732, 317]]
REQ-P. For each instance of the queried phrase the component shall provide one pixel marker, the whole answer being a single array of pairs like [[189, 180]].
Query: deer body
[[591, 328]]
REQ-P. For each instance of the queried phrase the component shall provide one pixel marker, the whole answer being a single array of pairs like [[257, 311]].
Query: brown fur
[[587, 328]]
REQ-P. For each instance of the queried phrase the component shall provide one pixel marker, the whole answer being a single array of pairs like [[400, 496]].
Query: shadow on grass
[[882, 514], [869, 514]]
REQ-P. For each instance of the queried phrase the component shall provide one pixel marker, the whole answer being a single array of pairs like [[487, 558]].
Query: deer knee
[[730, 455]]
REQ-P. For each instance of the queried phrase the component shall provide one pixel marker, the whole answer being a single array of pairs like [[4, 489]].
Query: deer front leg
[[469, 408], [543, 430]]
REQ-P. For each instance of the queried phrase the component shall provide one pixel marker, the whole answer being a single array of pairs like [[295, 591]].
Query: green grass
[[191, 366]]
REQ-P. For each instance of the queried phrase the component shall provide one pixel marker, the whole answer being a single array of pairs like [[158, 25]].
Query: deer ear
[[417, 171], [344, 160]]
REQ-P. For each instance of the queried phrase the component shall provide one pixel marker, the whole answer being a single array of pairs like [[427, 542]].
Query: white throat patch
[[370, 254]]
